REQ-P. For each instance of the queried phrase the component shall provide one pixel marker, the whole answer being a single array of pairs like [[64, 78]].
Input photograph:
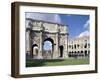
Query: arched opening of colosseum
[[86, 53]]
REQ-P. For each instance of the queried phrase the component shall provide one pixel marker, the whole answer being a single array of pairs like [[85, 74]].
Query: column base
[[29, 55]]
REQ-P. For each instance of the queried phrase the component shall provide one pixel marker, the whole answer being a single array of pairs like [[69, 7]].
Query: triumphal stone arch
[[37, 32]]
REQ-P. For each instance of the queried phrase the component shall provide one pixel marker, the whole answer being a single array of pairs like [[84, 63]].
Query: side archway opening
[[34, 50]]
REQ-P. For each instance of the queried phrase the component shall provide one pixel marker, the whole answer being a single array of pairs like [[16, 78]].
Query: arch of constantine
[[37, 32]]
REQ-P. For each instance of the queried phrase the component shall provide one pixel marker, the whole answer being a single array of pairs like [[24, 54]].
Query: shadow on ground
[[41, 62]]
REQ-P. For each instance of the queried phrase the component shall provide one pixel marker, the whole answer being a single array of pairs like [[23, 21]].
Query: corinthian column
[[27, 39], [40, 47]]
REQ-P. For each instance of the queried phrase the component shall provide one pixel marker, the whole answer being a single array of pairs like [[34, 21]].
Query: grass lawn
[[56, 62]]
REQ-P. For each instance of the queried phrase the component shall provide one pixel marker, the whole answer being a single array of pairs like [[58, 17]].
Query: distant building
[[79, 47]]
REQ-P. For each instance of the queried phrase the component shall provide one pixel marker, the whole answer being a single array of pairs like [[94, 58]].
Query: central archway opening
[[48, 48], [47, 45]]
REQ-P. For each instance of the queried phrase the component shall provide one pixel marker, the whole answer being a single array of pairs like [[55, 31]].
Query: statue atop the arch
[[46, 40]]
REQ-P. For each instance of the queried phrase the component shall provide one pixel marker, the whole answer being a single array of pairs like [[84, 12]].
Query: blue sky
[[47, 45], [78, 25]]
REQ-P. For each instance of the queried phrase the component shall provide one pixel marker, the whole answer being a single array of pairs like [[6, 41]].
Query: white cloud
[[57, 18], [85, 33], [87, 24], [45, 17], [86, 27]]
